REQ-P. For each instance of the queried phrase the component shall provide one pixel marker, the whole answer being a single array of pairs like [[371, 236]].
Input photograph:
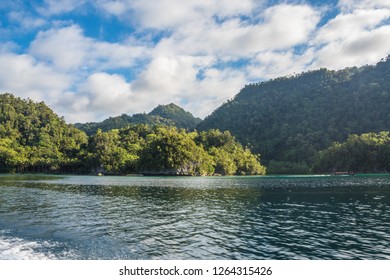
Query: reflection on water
[[76, 217]]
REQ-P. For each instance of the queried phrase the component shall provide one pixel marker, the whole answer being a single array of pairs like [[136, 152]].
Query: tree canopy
[[303, 123], [34, 139], [166, 115], [369, 152], [290, 119], [164, 150]]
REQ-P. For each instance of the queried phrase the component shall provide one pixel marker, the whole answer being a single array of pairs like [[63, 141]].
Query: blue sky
[[91, 59]]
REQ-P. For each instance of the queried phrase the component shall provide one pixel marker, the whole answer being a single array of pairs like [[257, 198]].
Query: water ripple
[[76, 217]]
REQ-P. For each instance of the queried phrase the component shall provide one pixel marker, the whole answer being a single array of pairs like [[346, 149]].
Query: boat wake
[[14, 248]]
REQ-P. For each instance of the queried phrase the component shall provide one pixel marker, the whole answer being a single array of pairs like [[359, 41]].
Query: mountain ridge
[[34, 139], [166, 115], [288, 120]]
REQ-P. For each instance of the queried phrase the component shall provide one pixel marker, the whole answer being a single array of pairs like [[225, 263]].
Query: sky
[[91, 59]]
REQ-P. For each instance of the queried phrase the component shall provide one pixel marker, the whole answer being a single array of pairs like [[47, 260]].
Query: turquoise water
[[272, 217]]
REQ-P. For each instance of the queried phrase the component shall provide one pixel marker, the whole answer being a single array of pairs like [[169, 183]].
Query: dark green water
[[290, 217]]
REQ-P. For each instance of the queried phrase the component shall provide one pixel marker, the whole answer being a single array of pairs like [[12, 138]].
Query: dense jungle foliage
[[166, 115], [289, 120], [369, 152], [305, 123], [34, 139]]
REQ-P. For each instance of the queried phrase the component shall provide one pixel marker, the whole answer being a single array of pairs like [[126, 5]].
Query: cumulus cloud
[[102, 95], [196, 53], [273, 64], [106, 93], [353, 38], [351, 5], [55, 7], [352, 24], [68, 49], [167, 74], [24, 76], [169, 14], [273, 28], [97, 97], [216, 88], [190, 81], [186, 67], [25, 21]]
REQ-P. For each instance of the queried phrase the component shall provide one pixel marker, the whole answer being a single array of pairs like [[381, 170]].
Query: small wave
[[14, 248], [19, 249]]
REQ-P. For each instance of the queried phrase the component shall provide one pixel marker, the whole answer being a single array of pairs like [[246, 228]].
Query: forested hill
[[180, 117], [34, 139], [167, 115], [288, 120]]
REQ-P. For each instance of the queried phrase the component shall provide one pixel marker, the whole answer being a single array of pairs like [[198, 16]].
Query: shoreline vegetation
[[33, 139], [290, 120], [50, 176], [317, 122]]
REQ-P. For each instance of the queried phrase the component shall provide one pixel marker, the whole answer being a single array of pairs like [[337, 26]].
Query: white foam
[[18, 249]]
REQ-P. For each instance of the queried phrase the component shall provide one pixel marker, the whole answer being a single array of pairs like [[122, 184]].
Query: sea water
[[255, 217]]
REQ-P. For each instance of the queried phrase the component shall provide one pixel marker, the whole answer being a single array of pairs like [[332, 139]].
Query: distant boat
[[100, 171], [343, 173]]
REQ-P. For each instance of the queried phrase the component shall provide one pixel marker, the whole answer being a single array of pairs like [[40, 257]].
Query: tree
[[107, 153], [174, 152], [40, 140], [290, 119], [365, 153], [230, 157], [34, 139]]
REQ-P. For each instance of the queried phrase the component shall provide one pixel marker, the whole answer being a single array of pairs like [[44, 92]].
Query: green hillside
[[369, 152], [34, 139], [166, 115], [289, 120], [299, 124], [180, 117]]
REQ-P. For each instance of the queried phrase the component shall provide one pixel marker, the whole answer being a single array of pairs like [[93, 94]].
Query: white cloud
[[216, 88], [68, 49], [25, 20], [184, 68], [270, 64], [176, 79], [236, 37], [55, 7], [107, 93], [196, 53], [114, 7], [169, 14], [103, 95], [369, 48], [376, 42], [353, 38], [352, 24], [166, 75], [351, 5], [9, 47], [99, 96], [285, 30], [24, 76]]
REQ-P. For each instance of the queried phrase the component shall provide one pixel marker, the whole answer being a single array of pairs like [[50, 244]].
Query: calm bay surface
[[271, 217]]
